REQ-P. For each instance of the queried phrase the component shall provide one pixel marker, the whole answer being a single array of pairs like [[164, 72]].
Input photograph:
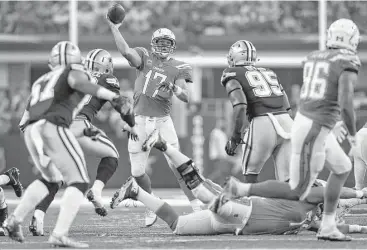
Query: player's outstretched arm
[[79, 81], [347, 81], [130, 54], [239, 104]]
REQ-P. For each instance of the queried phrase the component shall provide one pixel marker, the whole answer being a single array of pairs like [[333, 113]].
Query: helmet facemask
[[99, 62], [163, 46]]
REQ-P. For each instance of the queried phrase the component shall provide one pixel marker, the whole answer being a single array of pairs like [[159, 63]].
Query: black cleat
[[97, 203], [13, 175]]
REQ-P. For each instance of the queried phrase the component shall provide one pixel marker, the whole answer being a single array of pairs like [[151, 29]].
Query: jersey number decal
[[314, 80], [264, 83], [148, 77], [39, 94]]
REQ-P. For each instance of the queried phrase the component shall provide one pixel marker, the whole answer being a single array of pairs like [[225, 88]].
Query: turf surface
[[123, 228]]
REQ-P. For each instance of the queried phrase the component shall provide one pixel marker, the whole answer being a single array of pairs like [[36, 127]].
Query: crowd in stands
[[189, 17]]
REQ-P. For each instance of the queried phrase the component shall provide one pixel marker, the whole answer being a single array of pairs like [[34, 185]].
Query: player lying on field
[[248, 214], [8, 178]]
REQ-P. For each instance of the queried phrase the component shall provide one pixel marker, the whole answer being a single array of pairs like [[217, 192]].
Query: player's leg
[[340, 166], [101, 147], [168, 132], [37, 221], [260, 141], [308, 154], [38, 189], [66, 153], [360, 159], [139, 158], [197, 223]]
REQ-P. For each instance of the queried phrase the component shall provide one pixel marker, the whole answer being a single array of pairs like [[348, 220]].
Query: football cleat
[[13, 175], [150, 141], [333, 235], [231, 186], [97, 203], [14, 229], [150, 218], [63, 241], [36, 227], [128, 191], [2, 231]]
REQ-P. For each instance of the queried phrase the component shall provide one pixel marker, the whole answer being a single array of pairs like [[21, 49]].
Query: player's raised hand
[[113, 25], [166, 87]]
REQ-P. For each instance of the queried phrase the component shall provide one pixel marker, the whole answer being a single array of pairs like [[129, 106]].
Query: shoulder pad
[[183, 66], [77, 67], [228, 74], [111, 80], [348, 60]]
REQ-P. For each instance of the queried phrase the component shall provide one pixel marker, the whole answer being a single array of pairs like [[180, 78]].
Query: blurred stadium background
[[282, 31]]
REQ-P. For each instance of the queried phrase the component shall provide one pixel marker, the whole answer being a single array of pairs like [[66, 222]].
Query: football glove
[[167, 86], [340, 131], [123, 105], [232, 145], [131, 132], [93, 132]]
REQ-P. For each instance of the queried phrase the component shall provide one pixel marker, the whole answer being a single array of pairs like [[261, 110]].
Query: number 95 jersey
[[148, 101], [263, 92], [319, 92]]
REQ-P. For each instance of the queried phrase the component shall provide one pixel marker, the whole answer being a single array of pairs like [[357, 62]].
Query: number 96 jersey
[[319, 92], [263, 92], [148, 100]]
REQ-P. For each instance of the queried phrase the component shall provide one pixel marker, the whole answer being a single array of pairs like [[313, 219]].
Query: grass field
[[123, 228]]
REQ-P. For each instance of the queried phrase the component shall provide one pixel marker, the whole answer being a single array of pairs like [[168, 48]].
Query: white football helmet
[[343, 34], [242, 52], [99, 61], [64, 53], [163, 50]]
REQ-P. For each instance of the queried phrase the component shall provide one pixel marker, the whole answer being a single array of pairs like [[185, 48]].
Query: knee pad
[[83, 187], [190, 174], [52, 187]]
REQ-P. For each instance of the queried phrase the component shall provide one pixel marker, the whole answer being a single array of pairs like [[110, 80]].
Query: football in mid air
[[116, 13]]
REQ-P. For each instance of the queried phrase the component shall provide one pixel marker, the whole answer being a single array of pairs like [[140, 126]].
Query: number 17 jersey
[[319, 92], [148, 101]]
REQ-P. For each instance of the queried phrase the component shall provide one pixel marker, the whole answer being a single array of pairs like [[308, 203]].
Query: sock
[[167, 214], [328, 220], [176, 157], [39, 214], [251, 178], [359, 174], [144, 182], [3, 215], [106, 168], [150, 201], [71, 201], [98, 187], [46, 202], [271, 189], [4, 179], [2, 199], [35, 192]]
